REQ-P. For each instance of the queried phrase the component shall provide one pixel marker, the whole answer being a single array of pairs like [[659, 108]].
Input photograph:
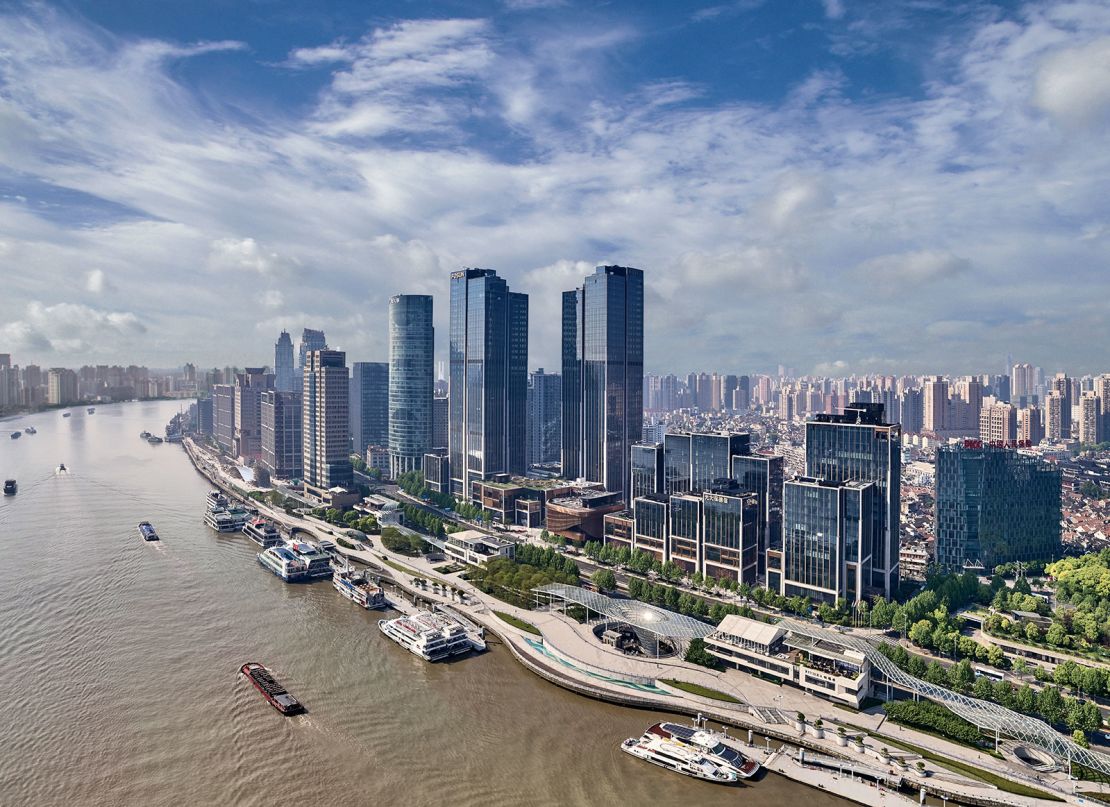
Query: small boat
[[91, 409], [271, 690], [146, 529], [144, 434], [62, 469], [30, 430], [153, 440], [67, 414], [16, 435], [10, 487]]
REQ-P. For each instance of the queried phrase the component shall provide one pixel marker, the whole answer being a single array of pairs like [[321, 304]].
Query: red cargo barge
[[271, 690]]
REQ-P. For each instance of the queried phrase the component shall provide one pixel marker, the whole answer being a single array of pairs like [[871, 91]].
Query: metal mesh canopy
[[984, 714], [648, 618]]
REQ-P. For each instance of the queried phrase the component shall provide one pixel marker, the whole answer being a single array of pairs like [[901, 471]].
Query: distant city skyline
[[839, 187]]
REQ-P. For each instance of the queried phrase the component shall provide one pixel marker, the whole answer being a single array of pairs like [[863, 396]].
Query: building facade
[[411, 380], [489, 378], [223, 415], [647, 469], [545, 417], [326, 422], [249, 386], [994, 505], [369, 404], [603, 376], [282, 434], [285, 373]]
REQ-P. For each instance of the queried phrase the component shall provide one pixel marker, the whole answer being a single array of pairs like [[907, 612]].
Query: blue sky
[[837, 186]]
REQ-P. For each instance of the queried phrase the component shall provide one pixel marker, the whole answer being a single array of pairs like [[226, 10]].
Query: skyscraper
[[249, 386], [1054, 418], [411, 379], [441, 413], [489, 378], [603, 376], [369, 405], [285, 377], [1090, 419], [282, 434], [310, 340], [223, 415], [935, 406], [994, 506], [859, 446], [1030, 425], [326, 429], [545, 414], [1062, 384]]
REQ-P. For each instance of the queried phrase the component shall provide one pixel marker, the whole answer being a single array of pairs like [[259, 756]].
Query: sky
[[838, 186]]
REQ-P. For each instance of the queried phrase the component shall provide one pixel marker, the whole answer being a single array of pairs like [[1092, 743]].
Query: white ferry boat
[[432, 636], [262, 532], [692, 752], [283, 562], [357, 588], [227, 519], [216, 499], [317, 563]]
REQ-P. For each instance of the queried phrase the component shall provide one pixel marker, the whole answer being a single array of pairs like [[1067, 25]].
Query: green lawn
[[520, 624], [697, 689]]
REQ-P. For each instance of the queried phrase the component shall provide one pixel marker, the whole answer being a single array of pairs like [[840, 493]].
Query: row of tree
[[513, 580]]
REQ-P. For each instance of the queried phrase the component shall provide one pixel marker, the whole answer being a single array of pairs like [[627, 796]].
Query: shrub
[[934, 718]]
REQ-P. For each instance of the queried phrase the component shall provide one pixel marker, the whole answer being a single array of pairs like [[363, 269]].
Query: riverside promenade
[[567, 654]]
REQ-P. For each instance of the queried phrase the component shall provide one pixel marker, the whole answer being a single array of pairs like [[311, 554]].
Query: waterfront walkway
[[567, 653]]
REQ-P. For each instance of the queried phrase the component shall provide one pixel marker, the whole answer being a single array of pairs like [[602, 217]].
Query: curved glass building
[[411, 370]]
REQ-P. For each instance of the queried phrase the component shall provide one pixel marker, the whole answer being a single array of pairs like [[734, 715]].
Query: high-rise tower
[[411, 367], [326, 432], [284, 373]]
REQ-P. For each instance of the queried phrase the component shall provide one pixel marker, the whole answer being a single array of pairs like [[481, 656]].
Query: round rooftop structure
[[643, 617]]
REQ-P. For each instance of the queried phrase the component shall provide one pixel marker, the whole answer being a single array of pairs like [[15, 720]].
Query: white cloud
[[901, 272], [246, 254], [834, 9], [96, 282], [1073, 84], [71, 328]]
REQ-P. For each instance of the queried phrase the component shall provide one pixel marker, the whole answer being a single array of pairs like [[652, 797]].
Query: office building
[[223, 415], [859, 446], [326, 435], [204, 416], [647, 469], [282, 434], [1023, 383], [603, 376], [762, 475], [489, 379], [441, 414], [700, 461], [310, 340], [411, 368], [827, 539], [545, 417], [994, 505], [249, 386], [369, 404], [998, 423], [285, 374], [912, 411]]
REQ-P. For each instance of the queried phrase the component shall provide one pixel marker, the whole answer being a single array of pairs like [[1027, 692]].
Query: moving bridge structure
[[989, 717]]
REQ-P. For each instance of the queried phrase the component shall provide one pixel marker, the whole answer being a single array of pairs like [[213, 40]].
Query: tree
[[995, 656], [1056, 634], [961, 676], [921, 634], [983, 690], [697, 654], [1050, 703], [935, 674], [1032, 632], [1080, 739], [1025, 700]]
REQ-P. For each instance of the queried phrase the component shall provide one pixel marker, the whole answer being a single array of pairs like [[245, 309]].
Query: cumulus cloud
[[902, 271], [71, 328], [1073, 84], [246, 254]]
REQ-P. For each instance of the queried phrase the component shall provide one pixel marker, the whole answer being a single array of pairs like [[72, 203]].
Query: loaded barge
[[271, 690]]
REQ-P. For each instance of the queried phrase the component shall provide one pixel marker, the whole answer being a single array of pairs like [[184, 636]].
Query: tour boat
[[271, 690], [281, 561], [432, 636], [262, 532], [227, 519], [10, 487], [316, 563], [675, 748], [216, 499], [357, 588], [146, 529]]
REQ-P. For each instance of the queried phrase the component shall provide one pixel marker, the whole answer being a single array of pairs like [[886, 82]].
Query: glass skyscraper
[[700, 461], [994, 505], [285, 379], [411, 367], [369, 405], [763, 475], [489, 379], [310, 340], [545, 395], [647, 469], [859, 446], [603, 376]]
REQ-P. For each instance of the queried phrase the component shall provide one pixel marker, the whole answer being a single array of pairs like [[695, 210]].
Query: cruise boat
[[10, 487], [16, 435], [357, 588], [283, 562], [274, 693], [146, 529], [262, 532], [317, 563], [216, 499], [226, 519], [673, 747], [432, 636]]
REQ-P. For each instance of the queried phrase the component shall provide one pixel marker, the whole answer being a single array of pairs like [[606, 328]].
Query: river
[[119, 664]]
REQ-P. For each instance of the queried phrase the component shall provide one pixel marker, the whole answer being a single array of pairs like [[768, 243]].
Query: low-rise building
[[819, 666], [914, 558], [377, 457], [476, 548]]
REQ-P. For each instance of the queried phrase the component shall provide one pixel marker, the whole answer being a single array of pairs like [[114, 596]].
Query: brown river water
[[119, 661]]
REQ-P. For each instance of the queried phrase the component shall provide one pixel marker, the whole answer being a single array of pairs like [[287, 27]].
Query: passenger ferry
[[226, 519], [146, 529], [432, 636], [317, 563], [262, 532], [283, 562], [216, 499], [357, 588], [692, 752]]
